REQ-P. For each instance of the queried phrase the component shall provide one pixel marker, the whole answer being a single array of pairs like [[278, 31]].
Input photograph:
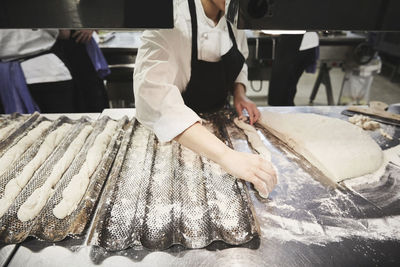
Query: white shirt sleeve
[[159, 103], [310, 40], [241, 41], [17, 43]]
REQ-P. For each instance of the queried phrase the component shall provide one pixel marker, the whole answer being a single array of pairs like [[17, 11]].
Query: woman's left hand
[[82, 36], [241, 102]]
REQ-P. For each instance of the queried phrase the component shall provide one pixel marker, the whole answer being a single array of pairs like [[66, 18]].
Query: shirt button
[[205, 35]]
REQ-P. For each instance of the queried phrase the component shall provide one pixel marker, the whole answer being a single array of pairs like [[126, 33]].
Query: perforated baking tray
[[161, 194], [46, 226]]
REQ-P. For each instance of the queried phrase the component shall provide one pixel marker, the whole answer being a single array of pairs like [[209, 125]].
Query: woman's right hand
[[252, 168]]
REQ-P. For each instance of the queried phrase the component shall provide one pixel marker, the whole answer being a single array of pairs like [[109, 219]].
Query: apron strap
[[193, 17], [231, 33]]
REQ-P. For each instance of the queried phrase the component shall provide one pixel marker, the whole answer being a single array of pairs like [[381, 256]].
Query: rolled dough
[[76, 188], [14, 186], [6, 130], [35, 202], [257, 144], [253, 138], [16, 151], [339, 149]]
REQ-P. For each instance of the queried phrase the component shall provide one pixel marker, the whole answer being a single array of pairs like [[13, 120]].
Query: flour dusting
[[302, 210]]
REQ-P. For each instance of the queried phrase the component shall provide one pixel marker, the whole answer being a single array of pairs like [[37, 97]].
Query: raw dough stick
[[35, 202], [14, 186], [76, 188], [339, 149], [256, 143], [16, 151], [7, 129], [253, 138]]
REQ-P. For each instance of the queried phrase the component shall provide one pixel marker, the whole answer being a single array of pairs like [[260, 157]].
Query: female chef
[[193, 68]]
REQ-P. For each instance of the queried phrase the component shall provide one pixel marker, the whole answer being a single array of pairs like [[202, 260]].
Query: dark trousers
[[287, 68], [91, 94], [54, 97]]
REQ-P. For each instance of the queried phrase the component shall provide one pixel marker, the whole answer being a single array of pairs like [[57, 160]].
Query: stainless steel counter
[[6, 253], [305, 222], [122, 41]]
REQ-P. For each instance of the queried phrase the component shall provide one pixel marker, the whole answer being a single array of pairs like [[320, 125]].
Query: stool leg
[[328, 87], [317, 84], [341, 90]]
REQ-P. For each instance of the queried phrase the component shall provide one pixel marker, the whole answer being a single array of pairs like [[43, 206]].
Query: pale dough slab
[[338, 148], [76, 188], [35, 202]]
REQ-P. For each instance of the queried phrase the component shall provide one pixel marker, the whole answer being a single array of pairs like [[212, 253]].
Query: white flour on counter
[[303, 210], [390, 155], [288, 229]]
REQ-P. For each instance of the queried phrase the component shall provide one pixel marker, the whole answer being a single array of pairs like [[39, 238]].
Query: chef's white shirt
[[16, 44], [163, 66]]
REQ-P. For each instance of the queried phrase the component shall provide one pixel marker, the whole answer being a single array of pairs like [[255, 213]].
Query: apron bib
[[211, 82]]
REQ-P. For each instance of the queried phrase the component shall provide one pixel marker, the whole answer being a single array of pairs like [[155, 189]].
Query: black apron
[[211, 82]]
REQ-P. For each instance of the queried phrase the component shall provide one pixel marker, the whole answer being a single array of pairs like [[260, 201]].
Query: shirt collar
[[202, 16]]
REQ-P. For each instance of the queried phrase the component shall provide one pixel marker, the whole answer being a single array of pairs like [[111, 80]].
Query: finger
[[263, 175], [251, 115], [89, 35], [268, 179], [84, 37], [267, 167], [239, 110], [75, 34], [257, 114], [259, 185], [79, 38], [88, 38]]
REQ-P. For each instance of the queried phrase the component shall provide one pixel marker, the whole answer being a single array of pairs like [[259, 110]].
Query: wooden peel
[[377, 110]]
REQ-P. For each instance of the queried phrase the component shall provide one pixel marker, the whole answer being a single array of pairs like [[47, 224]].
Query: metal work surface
[[122, 41], [305, 221], [6, 253]]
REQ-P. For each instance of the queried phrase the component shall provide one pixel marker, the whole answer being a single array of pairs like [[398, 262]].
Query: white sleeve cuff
[[172, 124], [242, 78]]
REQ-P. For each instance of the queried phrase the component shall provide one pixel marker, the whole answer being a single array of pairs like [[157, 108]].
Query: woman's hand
[[82, 36], [252, 168], [241, 102], [64, 34], [246, 166]]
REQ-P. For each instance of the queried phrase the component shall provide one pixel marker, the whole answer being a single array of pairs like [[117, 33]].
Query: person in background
[[294, 54], [33, 76], [193, 68], [88, 68], [51, 71]]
